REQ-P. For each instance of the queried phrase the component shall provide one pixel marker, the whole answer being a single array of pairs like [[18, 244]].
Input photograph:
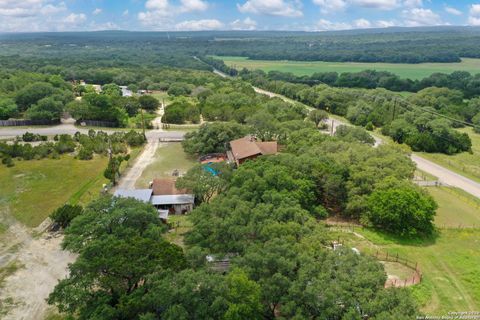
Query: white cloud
[[474, 17], [160, 14], [421, 17], [413, 3], [327, 25], [160, 20], [193, 5], [75, 19], [378, 4], [157, 5], [103, 26], [272, 7], [37, 15], [245, 24], [362, 24], [385, 23], [125, 13], [453, 11], [51, 9], [199, 25], [475, 10], [97, 11], [327, 6]]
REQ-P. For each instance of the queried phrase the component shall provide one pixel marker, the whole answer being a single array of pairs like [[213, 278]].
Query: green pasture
[[411, 71], [456, 208], [466, 164], [31, 190], [168, 157]]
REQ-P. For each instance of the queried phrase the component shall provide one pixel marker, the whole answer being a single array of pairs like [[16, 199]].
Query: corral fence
[[23, 122], [95, 123], [414, 278]]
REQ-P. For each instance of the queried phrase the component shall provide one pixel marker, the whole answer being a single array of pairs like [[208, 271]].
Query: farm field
[[31, 190], [168, 157], [412, 71], [467, 164]]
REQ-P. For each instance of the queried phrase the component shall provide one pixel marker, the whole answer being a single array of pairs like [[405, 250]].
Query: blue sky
[[308, 15]]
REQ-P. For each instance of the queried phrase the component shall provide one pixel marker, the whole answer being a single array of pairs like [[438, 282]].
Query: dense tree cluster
[[153, 49], [425, 120], [263, 218], [462, 81], [83, 145], [35, 96]]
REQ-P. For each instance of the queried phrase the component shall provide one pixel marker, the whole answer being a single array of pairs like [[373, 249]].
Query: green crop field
[[412, 71], [31, 190]]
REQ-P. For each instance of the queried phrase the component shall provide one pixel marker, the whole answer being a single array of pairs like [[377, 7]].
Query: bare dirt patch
[[41, 263]]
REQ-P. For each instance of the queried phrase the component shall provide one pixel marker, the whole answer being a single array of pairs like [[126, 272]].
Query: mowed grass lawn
[[467, 164], [412, 71], [168, 157], [31, 190], [456, 208]]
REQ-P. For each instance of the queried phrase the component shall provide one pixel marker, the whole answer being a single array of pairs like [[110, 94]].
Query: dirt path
[[41, 264], [128, 180]]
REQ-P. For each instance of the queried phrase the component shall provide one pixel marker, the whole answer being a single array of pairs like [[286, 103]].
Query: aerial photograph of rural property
[[239, 159]]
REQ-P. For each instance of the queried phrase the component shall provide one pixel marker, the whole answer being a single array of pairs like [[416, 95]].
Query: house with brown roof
[[248, 148]]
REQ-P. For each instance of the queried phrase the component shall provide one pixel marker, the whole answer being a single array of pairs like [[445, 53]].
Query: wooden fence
[[23, 122], [414, 278]]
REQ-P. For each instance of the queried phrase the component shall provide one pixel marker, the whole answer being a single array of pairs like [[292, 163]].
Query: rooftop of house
[[248, 146], [166, 187], [140, 194], [173, 199]]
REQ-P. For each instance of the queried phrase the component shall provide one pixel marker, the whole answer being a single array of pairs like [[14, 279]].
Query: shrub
[[64, 215], [7, 160], [85, 153]]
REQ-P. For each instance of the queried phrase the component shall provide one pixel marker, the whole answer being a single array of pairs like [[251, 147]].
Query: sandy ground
[[42, 263]]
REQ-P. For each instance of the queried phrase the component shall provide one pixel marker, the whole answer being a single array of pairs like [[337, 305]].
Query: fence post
[[397, 257]]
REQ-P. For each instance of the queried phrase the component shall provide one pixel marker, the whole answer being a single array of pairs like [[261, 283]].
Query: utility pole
[[143, 122], [394, 109]]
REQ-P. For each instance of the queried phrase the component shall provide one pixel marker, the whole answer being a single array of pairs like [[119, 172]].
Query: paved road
[[447, 176], [444, 175], [11, 132]]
